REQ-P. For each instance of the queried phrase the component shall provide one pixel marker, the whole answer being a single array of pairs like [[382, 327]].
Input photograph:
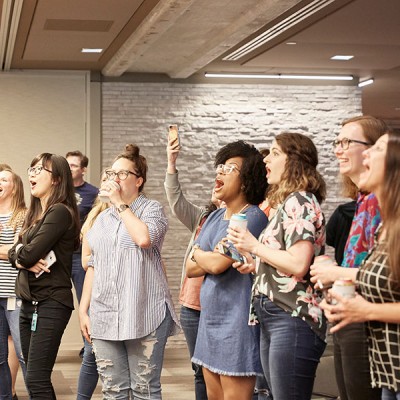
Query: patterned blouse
[[362, 231], [384, 338], [298, 218]]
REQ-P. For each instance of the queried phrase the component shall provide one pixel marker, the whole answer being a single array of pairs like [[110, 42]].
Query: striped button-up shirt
[[130, 291]]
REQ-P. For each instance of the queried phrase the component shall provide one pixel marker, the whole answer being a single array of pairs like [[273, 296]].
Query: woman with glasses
[[350, 344], [286, 305], [51, 226], [131, 310], [378, 278], [227, 347]]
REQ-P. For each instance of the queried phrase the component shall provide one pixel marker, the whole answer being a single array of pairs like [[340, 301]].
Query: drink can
[[345, 287], [239, 220]]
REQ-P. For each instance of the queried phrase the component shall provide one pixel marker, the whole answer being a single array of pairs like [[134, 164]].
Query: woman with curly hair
[[286, 306], [227, 347]]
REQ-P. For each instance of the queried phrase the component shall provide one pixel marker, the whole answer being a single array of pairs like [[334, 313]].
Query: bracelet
[[191, 254]]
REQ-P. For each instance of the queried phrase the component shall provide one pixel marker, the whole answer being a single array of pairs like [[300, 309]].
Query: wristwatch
[[191, 254], [122, 207]]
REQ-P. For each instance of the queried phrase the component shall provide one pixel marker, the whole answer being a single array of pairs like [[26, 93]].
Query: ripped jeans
[[131, 369]]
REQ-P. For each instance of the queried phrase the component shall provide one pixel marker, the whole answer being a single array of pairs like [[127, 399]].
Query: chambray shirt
[[130, 291]]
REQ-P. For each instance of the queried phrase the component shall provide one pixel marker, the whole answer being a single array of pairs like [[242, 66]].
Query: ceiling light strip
[[366, 82], [16, 15], [277, 29], [279, 76], [5, 17]]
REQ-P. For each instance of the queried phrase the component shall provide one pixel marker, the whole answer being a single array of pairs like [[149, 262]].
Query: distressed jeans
[[131, 369], [9, 323]]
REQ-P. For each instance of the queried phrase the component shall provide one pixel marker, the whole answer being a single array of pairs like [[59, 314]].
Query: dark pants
[[352, 364], [190, 324], [40, 347], [289, 350], [88, 375], [78, 274]]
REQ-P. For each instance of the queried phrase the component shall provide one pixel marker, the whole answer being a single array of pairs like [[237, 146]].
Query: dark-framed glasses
[[225, 169], [122, 175], [345, 143], [37, 170]]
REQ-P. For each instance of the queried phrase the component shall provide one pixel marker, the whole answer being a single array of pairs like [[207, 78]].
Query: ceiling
[[182, 39]]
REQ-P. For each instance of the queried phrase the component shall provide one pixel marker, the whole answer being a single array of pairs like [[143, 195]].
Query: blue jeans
[[352, 367], [78, 274], [88, 375], [132, 368], [390, 394], [40, 347], [290, 352], [9, 323], [190, 324]]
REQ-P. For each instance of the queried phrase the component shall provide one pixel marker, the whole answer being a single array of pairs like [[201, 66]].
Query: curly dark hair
[[252, 174]]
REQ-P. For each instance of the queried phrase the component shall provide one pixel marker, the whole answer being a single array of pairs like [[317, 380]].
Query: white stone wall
[[209, 116]]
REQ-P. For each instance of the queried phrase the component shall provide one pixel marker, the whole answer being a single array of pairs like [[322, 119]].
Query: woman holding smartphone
[[378, 278], [51, 224], [286, 305], [229, 367]]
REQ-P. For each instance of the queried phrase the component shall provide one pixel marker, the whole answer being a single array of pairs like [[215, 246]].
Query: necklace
[[242, 209]]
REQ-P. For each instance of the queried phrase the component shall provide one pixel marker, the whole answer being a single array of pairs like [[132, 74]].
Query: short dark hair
[[83, 158], [252, 172]]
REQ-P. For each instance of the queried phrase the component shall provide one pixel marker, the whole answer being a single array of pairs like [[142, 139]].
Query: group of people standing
[[255, 328]]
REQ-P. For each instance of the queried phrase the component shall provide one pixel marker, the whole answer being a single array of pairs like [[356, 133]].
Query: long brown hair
[[390, 206], [62, 192], [300, 171]]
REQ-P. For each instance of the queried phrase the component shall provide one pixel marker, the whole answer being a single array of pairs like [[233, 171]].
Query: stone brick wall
[[209, 116]]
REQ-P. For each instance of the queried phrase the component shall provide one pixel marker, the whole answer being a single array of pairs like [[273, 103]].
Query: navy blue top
[[85, 196]]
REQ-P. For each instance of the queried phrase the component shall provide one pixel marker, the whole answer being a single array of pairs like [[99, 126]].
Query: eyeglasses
[[226, 169], [345, 143], [37, 170], [122, 175]]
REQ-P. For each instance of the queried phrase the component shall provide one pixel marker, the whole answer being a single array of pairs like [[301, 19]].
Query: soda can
[[239, 220], [345, 287]]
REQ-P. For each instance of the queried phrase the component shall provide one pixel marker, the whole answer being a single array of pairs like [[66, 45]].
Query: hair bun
[[132, 149]]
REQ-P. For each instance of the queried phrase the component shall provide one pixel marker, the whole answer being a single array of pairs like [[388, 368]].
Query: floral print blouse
[[362, 232], [298, 218]]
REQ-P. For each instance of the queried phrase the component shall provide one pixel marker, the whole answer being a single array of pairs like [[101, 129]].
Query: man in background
[[85, 195]]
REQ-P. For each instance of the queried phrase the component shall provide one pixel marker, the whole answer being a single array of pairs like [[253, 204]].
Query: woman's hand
[[112, 189], [173, 149], [243, 240], [322, 272], [40, 266], [346, 311], [248, 267], [84, 322]]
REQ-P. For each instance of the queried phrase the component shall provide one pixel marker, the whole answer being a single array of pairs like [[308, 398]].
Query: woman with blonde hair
[[12, 214], [286, 305]]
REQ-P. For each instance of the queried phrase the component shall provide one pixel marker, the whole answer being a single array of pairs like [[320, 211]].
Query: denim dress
[[226, 344]]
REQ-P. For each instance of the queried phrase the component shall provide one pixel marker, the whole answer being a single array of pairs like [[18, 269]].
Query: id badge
[[34, 321], [11, 302]]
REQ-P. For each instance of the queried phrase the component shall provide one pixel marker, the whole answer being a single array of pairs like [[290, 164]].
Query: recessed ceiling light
[[90, 50], [291, 43], [342, 58], [366, 82]]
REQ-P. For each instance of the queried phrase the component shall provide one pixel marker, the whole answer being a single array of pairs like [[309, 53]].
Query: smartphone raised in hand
[[50, 259], [173, 133], [231, 252]]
